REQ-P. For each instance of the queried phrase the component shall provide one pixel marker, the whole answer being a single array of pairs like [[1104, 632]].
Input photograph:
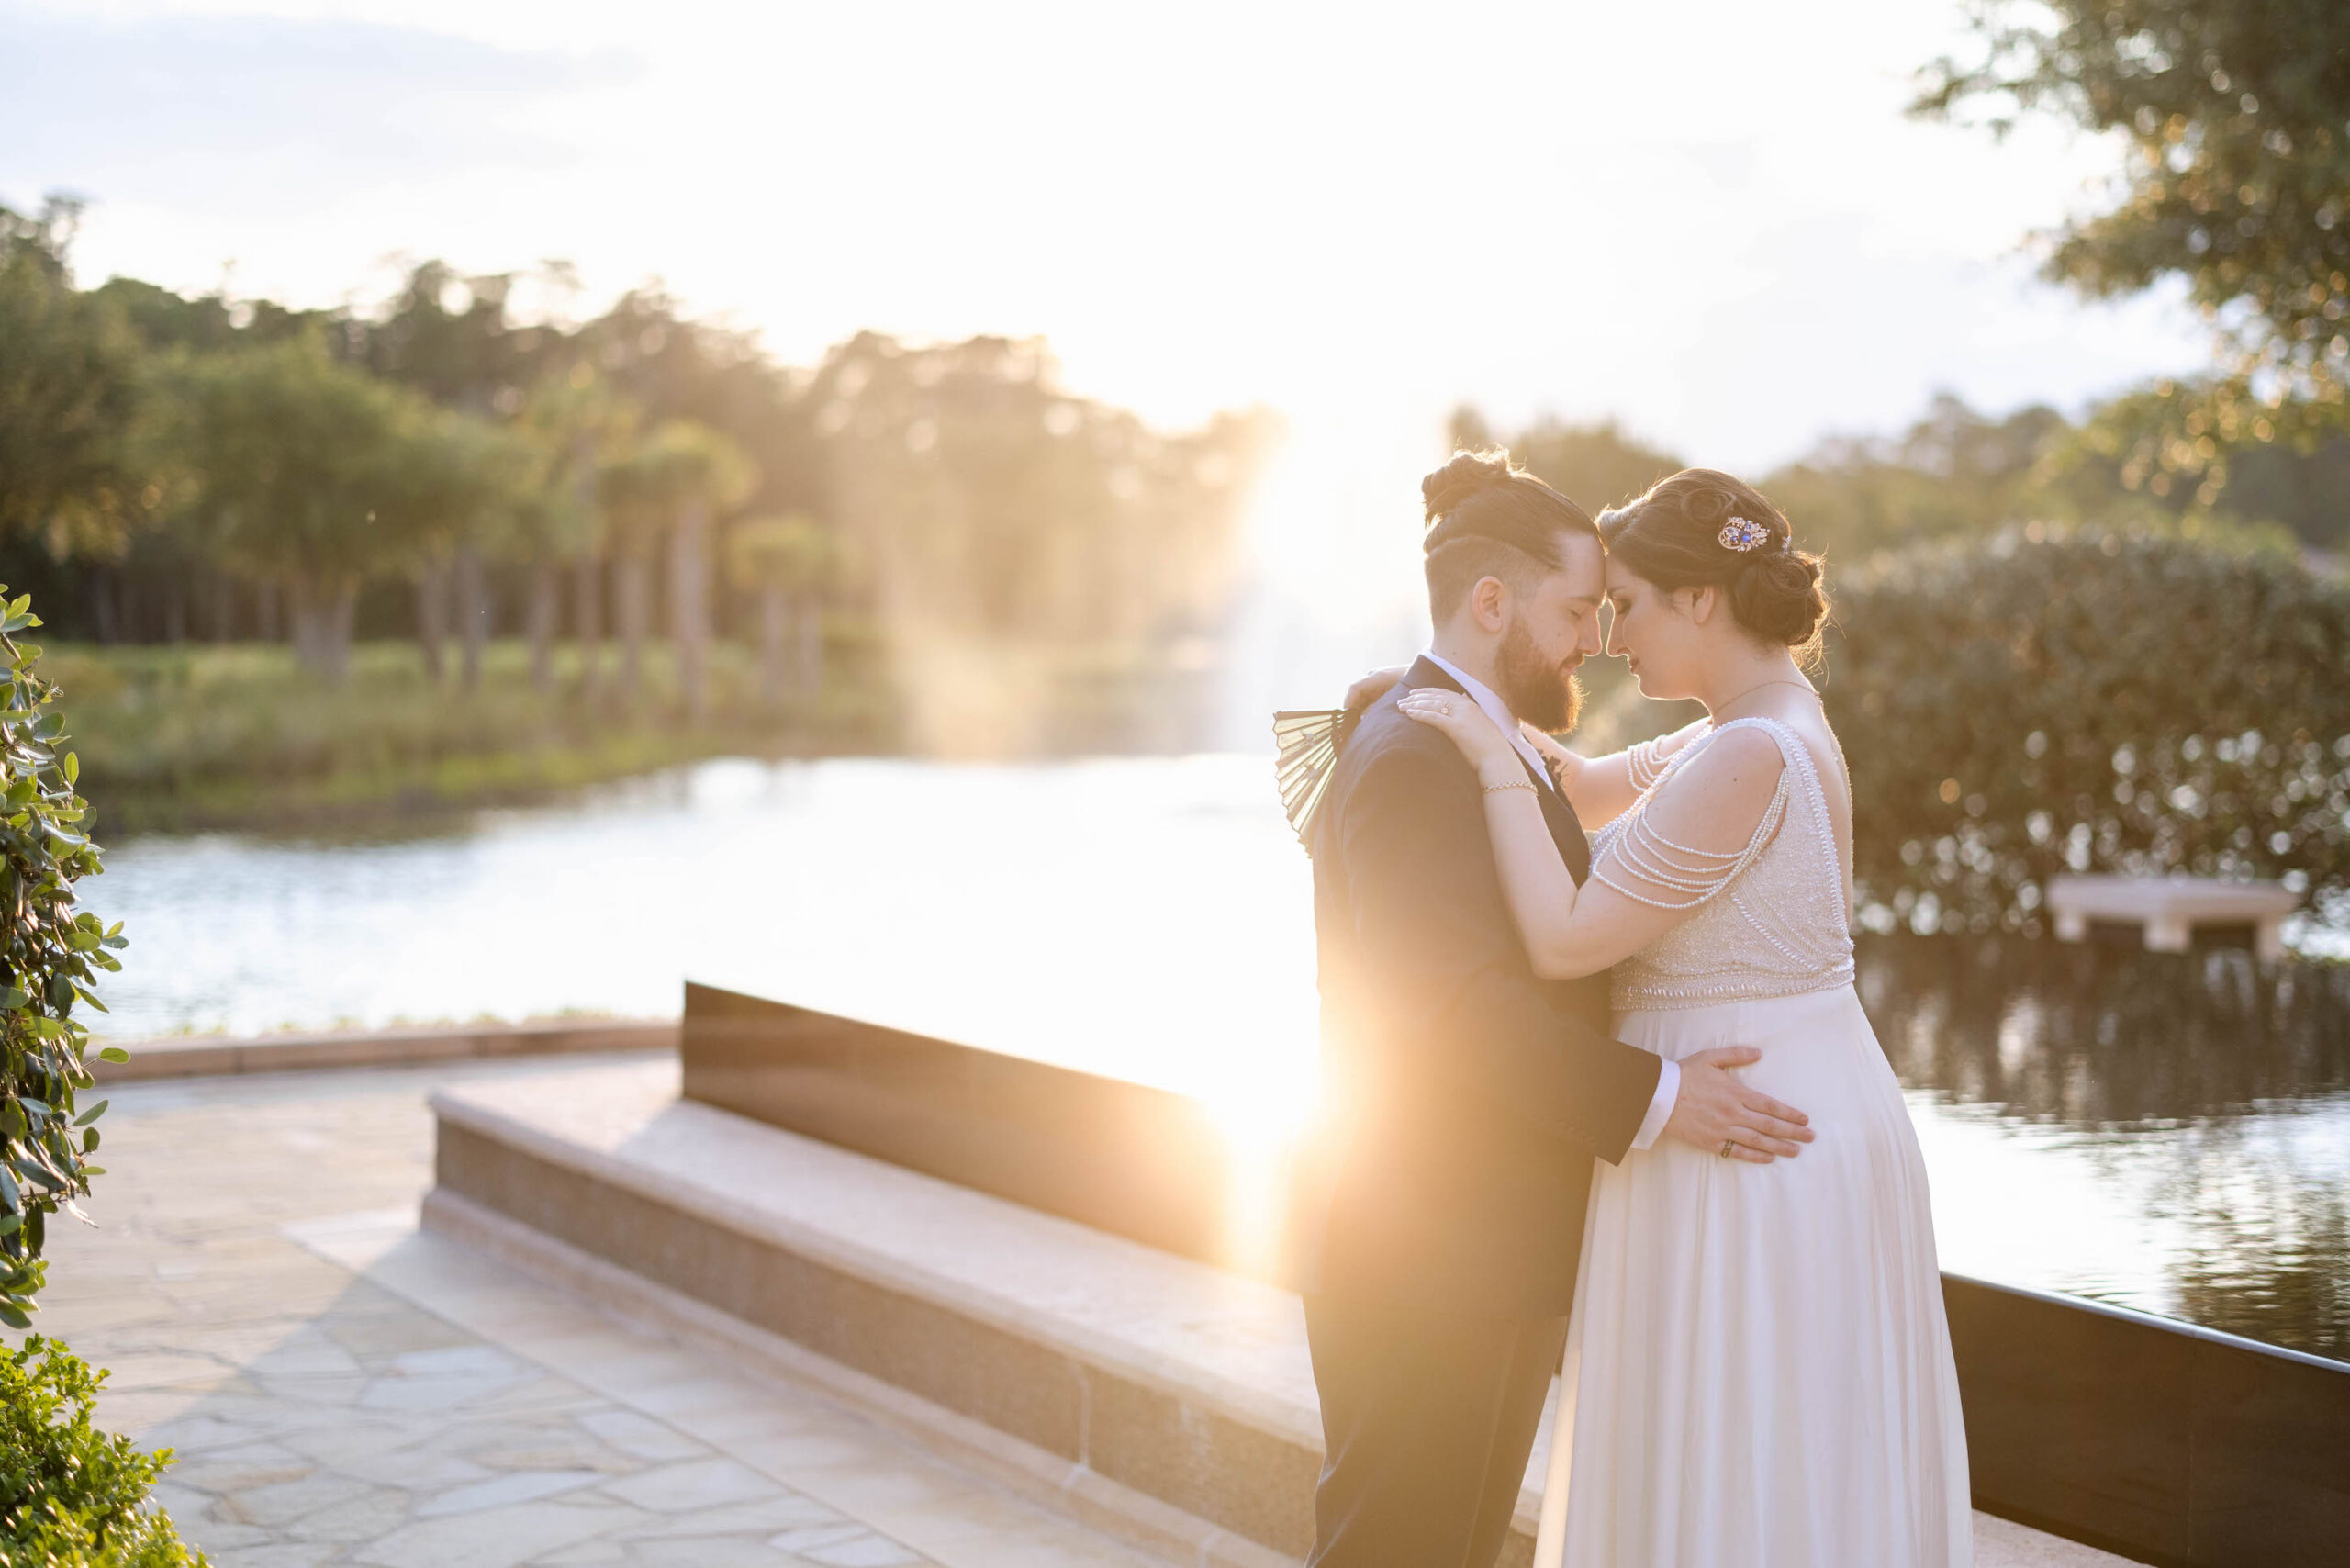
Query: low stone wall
[[2150, 1437], [1137, 1161], [204, 1056]]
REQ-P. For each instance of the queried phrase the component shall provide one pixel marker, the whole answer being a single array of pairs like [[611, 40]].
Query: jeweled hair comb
[[1742, 534]]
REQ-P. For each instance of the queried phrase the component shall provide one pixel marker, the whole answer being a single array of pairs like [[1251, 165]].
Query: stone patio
[[341, 1389]]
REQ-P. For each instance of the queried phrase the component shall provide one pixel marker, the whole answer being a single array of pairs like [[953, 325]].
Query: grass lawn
[[176, 738]]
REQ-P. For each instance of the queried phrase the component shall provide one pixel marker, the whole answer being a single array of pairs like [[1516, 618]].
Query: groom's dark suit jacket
[[1467, 1096]]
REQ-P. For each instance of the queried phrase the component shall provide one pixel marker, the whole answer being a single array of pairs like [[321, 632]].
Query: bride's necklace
[[1764, 686]]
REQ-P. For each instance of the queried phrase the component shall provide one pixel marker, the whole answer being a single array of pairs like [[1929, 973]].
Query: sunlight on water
[[1149, 917]]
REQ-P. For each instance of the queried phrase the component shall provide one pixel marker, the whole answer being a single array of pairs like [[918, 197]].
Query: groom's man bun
[[1704, 528], [1488, 518]]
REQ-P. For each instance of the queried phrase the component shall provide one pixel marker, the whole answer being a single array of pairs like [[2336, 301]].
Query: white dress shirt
[[1668, 1082]]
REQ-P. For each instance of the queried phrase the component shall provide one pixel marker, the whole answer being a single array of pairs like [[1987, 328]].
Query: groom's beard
[[1546, 695]]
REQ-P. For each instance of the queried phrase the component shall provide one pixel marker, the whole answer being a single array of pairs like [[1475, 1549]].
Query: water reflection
[[2210, 1092], [2097, 1035]]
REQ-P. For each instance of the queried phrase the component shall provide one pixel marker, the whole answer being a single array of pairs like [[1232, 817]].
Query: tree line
[[176, 467], [1957, 474]]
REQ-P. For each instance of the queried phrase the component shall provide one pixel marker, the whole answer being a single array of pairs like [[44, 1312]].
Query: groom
[[1468, 1097]]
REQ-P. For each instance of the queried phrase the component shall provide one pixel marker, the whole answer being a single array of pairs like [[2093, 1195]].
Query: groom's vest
[[1467, 1097]]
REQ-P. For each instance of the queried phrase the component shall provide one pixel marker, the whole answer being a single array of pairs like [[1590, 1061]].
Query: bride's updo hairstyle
[[1487, 518], [1704, 528]]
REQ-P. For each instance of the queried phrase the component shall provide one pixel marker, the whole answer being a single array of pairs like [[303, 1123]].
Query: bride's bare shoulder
[[1732, 758], [1718, 798], [1715, 798]]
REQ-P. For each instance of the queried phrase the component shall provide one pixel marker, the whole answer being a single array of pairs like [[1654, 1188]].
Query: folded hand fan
[[1307, 743]]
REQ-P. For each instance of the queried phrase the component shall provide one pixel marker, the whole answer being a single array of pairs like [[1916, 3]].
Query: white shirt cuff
[[1668, 1090]]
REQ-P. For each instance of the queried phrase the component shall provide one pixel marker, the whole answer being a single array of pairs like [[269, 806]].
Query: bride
[[1758, 1369]]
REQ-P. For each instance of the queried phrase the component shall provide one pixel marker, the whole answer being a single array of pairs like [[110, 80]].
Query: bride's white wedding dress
[[1758, 1372]]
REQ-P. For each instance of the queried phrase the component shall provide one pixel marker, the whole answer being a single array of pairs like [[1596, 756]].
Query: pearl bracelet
[[1513, 784]]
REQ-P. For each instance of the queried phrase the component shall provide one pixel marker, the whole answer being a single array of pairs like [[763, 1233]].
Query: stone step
[[1162, 1398]]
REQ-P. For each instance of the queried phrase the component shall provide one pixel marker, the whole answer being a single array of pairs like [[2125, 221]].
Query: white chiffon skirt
[[1758, 1372]]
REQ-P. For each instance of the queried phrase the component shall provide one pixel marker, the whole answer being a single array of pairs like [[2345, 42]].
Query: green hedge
[[2088, 701], [49, 953], [71, 1496]]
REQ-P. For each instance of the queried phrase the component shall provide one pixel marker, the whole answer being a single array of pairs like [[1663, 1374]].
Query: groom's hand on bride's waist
[[1716, 1112]]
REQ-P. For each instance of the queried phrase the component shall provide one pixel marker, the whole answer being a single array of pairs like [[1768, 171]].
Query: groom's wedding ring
[[1727, 1144]]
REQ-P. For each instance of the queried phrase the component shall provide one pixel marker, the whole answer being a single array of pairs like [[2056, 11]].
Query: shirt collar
[[1497, 710]]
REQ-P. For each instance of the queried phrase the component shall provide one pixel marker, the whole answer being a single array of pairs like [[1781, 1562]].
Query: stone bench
[[2168, 909]]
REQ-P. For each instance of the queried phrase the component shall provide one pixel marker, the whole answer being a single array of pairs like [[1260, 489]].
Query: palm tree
[[463, 501], [789, 562], [567, 424], [671, 483], [575, 426]]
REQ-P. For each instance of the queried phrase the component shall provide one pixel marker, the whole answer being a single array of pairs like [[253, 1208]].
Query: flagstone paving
[[341, 1390]]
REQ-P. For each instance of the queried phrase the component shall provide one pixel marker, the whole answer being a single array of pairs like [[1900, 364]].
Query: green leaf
[[14, 1318], [73, 769], [114, 1053], [93, 1113]]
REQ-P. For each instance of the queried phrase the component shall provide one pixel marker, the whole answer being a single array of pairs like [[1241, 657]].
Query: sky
[[1708, 220]]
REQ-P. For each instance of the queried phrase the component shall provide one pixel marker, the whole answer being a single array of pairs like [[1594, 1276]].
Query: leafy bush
[[73, 1496], [2088, 701], [47, 955]]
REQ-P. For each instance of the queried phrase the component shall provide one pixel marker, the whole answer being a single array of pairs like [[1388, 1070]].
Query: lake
[[2170, 1133]]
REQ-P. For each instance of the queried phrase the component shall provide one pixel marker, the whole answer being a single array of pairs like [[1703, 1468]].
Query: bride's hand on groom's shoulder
[[1371, 688], [1480, 739]]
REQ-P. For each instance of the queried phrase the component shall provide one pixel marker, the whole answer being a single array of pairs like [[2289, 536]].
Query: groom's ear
[[1489, 602]]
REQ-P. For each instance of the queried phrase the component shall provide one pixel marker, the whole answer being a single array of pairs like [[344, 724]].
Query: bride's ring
[[1727, 1144]]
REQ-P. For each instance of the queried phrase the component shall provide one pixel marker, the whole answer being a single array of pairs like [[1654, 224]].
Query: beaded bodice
[[1770, 921]]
